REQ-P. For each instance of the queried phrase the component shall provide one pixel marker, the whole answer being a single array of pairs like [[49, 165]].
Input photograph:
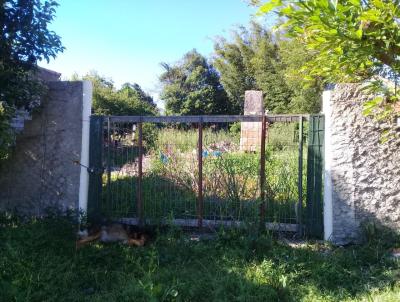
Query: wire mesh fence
[[202, 170]]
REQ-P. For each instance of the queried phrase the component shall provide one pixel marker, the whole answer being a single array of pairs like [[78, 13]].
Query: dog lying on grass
[[112, 233]]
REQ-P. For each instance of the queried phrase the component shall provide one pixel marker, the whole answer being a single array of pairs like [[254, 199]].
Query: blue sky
[[127, 39]]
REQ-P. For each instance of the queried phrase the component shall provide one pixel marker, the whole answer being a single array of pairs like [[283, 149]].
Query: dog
[[111, 233]]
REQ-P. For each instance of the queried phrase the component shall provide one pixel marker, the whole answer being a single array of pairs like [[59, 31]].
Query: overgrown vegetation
[[39, 262], [192, 87], [255, 58], [130, 99], [24, 40], [351, 41], [231, 184]]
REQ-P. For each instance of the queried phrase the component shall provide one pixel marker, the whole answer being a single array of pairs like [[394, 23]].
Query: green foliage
[[6, 137], [39, 262], [352, 40], [251, 61], [294, 55], [129, 100], [24, 40], [192, 87], [254, 59], [237, 175]]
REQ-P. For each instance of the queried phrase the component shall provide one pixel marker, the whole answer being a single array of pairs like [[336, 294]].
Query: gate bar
[[262, 172], [200, 179], [140, 174], [300, 178]]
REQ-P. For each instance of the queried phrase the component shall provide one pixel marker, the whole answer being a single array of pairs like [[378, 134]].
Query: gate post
[[140, 175], [262, 171], [200, 178], [95, 168], [300, 179], [108, 167], [315, 159]]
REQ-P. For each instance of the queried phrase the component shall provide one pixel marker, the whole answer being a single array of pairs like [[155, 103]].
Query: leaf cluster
[[256, 59], [25, 39], [192, 87], [130, 99], [352, 40]]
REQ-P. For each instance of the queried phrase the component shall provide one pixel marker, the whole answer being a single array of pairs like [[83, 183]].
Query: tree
[[351, 41], [293, 56], [254, 59], [129, 100], [134, 90], [25, 40], [192, 87]]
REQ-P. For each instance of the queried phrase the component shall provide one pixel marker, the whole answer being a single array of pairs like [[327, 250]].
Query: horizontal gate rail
[[207, 118]]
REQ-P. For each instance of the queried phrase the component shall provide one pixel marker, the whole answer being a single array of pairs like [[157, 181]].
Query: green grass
[[39, 262]]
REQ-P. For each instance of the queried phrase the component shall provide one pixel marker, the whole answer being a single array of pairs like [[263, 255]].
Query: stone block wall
[[250, 132], [364, 173], [41, 172]]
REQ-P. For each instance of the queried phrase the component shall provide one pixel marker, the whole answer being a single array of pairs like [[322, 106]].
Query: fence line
[[263, 205], [209, 118]]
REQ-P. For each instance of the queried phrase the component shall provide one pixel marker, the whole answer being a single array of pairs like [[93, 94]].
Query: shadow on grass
[[39, 262]]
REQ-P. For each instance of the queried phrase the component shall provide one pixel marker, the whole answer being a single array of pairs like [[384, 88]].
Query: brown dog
[[111, 233]]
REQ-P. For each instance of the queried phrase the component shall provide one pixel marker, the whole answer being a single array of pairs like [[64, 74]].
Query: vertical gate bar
[[300, 178], [200, 178], [262, 171], [140, 175], [108, 164], [311, 161]]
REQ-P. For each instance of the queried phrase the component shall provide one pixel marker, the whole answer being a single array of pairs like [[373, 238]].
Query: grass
[[39, 262]]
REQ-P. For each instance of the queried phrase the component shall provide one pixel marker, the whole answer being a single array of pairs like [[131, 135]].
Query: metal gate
[[207, 171]]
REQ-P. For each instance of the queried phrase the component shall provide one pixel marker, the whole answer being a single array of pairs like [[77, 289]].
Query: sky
[[126, 40]]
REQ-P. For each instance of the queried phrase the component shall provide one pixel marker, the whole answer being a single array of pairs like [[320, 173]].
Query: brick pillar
[[250, 134]]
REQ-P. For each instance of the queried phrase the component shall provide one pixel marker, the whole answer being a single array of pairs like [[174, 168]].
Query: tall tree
[[134, 90], [304, 99], [192, 87], [254, 59], [24, 40], [251, 61]]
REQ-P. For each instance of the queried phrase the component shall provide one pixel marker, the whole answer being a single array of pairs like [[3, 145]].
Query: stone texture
[[250, 135], [41, 172], [365, 172]]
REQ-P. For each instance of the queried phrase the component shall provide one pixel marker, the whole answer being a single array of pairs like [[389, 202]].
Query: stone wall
[[41, 172], [364, 173]]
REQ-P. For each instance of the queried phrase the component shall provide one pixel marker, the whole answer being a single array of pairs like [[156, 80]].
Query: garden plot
[[231, 178]]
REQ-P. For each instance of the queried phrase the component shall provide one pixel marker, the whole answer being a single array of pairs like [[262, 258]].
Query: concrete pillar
[[84, 175], [250, 134], [328, 209]]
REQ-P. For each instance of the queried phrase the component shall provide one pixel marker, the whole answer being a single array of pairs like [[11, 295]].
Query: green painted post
[[315, 160], [95, 168], [300, 179]]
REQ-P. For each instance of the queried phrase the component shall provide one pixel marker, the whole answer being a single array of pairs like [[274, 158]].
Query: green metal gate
[[315, 164], [120, 143]]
